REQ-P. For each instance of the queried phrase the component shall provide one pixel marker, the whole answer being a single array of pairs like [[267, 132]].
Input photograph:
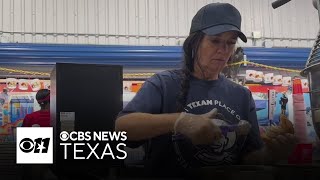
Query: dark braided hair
[[190, 49]]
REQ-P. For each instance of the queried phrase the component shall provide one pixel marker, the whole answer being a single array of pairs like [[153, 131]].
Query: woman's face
[[214, 53]]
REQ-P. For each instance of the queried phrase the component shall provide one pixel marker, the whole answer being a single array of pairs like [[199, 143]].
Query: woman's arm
[[199, 128], [142, 117], [141, 126]]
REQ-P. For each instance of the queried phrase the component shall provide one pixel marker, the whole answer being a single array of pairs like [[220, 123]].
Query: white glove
[[243, 128], [199, 128]]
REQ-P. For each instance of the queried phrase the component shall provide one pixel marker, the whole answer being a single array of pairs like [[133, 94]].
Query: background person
[[283, 102], [42, 117]]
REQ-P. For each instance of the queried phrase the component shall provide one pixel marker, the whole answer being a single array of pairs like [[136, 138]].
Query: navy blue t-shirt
[[159, 95]]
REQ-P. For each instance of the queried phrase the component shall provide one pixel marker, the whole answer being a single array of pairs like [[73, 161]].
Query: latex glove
[[198, 128], [243, 128]]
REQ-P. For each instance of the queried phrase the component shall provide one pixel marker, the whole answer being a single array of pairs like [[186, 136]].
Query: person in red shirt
[[39, 118], [42, 117]]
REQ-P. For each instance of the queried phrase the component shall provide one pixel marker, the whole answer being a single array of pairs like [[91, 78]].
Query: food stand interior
[[138, 62]]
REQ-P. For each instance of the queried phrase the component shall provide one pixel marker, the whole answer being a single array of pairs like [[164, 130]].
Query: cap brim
[[214, 30]]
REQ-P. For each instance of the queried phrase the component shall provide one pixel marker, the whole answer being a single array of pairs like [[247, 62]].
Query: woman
[[42, 117], [173, 111]]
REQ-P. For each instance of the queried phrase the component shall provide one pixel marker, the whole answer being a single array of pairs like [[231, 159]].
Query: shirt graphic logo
[[220, 152], [34, 145]]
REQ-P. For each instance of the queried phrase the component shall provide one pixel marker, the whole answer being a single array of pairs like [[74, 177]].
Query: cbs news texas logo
[[34, 145]]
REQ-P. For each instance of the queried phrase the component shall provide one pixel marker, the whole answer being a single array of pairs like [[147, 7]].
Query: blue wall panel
[[134, 56], [295, 58]]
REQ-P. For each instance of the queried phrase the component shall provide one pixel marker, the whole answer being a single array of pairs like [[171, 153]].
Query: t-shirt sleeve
[[254, 141], [147, 100]]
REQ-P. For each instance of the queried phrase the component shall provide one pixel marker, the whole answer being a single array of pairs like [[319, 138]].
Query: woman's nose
[[223, 47]]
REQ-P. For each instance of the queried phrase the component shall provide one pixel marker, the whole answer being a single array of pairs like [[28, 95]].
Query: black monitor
[[84, 97]]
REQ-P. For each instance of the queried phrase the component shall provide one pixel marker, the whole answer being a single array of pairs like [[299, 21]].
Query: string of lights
[[145, 75], [265, 66]]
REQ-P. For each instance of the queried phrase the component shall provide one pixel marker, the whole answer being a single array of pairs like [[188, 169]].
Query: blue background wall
[[134, 56]]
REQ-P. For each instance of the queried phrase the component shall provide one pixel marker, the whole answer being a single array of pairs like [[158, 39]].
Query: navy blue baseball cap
[[216, 18]]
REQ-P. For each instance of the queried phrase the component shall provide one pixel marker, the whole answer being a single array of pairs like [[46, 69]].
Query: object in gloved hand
[[215, 152], [242, 128], [286, 126]]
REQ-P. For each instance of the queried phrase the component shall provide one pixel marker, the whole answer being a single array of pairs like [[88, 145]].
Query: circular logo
[[26, 145], [222, 152], [64, 136]]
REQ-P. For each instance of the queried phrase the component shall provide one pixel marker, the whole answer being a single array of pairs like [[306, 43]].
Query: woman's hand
[[199, 128]]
